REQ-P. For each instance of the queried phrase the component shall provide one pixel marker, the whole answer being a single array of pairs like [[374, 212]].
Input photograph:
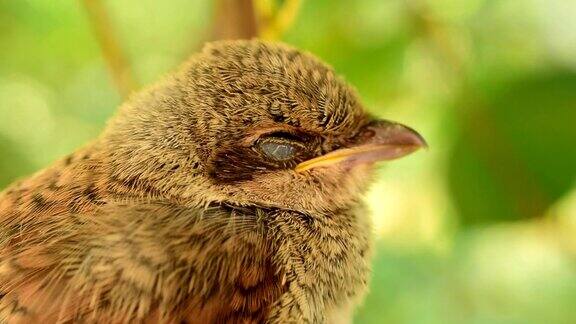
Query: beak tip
[[422, 143], [407, 136], [418, 139]]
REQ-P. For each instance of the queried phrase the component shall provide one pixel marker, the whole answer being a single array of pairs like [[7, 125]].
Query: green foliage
[[518, 138]]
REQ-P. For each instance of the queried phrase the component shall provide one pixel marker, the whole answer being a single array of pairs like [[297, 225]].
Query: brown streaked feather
[[170, 216], [119, 261], [128, 262]]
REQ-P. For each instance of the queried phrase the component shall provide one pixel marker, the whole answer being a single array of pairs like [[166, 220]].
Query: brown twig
[[111, 50], [234, 19]]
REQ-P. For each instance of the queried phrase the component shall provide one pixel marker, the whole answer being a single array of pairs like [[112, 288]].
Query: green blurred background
[[481, 228]]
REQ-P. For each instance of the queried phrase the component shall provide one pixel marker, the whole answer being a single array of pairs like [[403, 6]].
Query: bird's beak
[[379, 141]]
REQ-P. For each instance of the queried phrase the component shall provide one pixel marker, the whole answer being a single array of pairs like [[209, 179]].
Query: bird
[[228, 192]]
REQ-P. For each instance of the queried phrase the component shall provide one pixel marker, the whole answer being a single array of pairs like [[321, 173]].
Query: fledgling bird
[[229, 192]]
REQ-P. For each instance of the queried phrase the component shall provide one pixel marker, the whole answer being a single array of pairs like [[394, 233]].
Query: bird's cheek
[[341, 182], [343, 172]]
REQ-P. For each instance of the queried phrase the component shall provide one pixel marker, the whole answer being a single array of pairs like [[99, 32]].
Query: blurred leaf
[[14, 167], [515, 155], [406, 288]]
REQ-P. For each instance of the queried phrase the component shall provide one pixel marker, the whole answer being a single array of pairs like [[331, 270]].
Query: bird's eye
[[278, 151], [279, 147]]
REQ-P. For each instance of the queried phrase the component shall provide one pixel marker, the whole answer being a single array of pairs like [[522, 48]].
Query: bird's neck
[[78, 182]]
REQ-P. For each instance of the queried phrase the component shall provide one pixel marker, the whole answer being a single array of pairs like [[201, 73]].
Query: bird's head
[[254, 123]]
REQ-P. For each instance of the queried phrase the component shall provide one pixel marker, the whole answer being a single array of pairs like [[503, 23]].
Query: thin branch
[[110, 45], [264, 12], [273, 26]]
